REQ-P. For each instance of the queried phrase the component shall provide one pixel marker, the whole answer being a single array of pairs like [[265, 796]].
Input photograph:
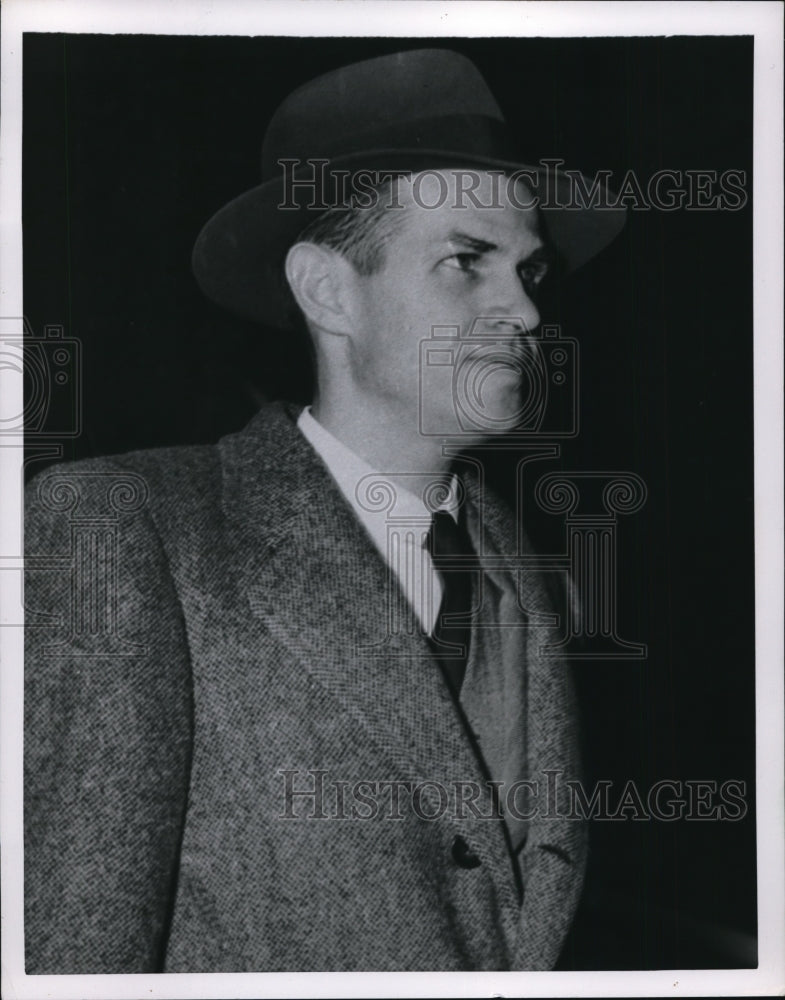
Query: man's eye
[[463, 261], [532, 276]]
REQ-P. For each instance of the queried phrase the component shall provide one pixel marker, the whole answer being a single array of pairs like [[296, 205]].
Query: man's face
[[460, 265]]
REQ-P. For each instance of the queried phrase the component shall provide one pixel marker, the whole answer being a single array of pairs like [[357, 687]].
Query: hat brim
[[238, 254]]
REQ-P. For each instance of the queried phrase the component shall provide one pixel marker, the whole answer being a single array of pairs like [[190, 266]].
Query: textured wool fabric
[[251, 610]]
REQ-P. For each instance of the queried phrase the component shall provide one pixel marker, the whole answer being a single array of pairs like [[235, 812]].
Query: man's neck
[[384, 444]]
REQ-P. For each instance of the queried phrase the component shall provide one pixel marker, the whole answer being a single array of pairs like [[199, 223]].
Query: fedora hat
[[406, 112]]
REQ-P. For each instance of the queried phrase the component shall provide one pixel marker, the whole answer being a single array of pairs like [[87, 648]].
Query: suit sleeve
[[108, 726]]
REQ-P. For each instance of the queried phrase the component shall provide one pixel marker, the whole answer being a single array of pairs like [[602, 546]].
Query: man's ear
[[317, 277]]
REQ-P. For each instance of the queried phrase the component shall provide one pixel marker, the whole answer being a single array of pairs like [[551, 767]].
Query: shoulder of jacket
[[160, 473]]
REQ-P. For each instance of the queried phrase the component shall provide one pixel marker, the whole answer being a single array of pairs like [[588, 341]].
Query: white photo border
[[432, 18]]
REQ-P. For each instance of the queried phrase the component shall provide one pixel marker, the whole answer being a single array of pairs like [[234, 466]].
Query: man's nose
[[512, 300]]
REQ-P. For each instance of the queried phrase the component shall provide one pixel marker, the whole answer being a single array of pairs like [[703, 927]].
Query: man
[[304, 718]]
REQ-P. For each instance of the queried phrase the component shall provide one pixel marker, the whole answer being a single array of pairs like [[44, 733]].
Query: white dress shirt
[[399, 532]]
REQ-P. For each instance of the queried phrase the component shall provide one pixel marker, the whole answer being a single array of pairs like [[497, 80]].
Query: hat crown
[[374, 95]]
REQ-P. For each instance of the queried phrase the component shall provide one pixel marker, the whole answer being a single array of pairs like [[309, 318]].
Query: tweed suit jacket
[[248, 649]]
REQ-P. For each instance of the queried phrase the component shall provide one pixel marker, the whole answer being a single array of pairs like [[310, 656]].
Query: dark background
[[131, 143]]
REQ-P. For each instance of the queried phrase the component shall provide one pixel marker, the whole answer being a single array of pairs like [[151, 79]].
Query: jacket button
[[463, 855]]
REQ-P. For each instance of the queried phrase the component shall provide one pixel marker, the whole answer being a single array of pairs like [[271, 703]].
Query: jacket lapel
[[316, 581]]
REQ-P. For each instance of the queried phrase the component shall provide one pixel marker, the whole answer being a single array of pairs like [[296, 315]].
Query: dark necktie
[[450, 641]]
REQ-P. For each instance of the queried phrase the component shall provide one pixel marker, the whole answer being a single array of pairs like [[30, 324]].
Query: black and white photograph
[[392, 498]]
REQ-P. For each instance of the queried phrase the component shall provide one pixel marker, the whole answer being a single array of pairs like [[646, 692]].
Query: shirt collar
[[348, 469]]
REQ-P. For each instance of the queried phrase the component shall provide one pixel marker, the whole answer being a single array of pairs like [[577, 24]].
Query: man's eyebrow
[[473, 242], [541, 254]]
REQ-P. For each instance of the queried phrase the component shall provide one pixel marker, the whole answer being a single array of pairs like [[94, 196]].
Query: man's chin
[[490, 424], [502, 413], [479, 418]]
